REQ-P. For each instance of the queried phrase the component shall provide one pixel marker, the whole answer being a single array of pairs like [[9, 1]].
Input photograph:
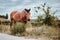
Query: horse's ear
[[28, 10], [25, 9]]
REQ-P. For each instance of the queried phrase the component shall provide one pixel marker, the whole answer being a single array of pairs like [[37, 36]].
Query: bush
[[49, 20], [17, 28]]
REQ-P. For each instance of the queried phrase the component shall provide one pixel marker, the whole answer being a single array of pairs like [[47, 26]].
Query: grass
[[29, 30], [52, 32], [4, 28], [17, 28]]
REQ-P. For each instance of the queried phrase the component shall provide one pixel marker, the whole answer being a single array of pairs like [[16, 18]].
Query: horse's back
[[17, 16], [12, 13]]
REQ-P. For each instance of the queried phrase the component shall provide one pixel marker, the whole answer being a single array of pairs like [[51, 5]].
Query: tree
[[49, 19], [6, 16]]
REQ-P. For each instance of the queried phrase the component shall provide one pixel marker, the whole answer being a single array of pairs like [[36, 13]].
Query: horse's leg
[[14, 22], [11, 21]]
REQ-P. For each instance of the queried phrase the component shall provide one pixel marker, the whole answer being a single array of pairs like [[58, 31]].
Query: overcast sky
[[6, 6]]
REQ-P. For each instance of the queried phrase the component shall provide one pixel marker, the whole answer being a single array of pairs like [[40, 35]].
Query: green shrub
[[17, 28]]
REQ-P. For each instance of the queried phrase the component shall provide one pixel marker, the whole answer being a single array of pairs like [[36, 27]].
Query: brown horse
[[17, 16]]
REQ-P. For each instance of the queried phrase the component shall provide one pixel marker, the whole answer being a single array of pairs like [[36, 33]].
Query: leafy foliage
[[48, 19]]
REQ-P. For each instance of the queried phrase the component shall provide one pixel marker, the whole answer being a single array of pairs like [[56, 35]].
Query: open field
[[41, 32], [29, 19]]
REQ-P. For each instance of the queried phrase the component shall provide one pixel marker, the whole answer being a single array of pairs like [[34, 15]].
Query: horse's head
[[28, 14]]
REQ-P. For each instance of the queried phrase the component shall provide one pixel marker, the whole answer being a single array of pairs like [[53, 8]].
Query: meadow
[[31, 31], [49, 26]]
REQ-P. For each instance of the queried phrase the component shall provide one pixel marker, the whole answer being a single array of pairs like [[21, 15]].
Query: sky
[[7, 6]]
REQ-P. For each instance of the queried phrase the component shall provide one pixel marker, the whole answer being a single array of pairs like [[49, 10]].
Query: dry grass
[[52, 32], [47, 31], [4, 28]]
